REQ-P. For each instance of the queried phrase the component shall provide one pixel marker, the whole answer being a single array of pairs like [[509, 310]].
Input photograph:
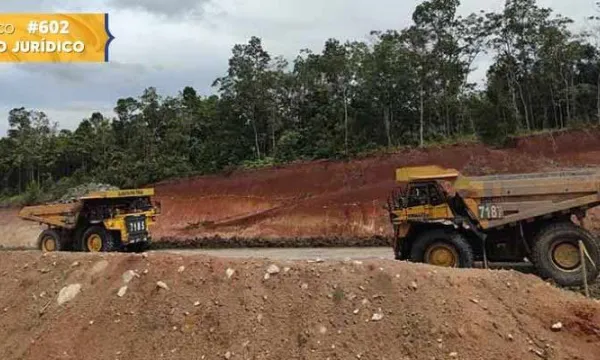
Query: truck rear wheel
[[556, 254], [49, 241], [96, 239], [442, 248]]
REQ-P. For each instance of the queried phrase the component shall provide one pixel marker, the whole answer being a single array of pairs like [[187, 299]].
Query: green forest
[[404, 87]]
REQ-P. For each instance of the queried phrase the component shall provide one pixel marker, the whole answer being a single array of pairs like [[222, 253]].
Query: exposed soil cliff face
[[344, 199]]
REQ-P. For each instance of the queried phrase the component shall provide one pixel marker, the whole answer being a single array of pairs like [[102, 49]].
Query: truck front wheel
[[96, 239], [442, 248], [556, 254]]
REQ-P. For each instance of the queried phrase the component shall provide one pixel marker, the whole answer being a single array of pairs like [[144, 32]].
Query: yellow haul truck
[[103, 221], [443, 218]]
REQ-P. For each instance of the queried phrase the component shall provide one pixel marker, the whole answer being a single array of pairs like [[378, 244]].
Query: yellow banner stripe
[[56, 38]]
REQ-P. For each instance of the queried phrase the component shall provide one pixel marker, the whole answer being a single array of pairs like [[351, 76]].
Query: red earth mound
[[343, 199], [168, 306]]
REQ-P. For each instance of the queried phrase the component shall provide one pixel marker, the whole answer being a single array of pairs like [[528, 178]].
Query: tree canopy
[[403, 87]]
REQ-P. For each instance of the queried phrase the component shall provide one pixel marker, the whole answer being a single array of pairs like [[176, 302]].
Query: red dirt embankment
[[343, 200], [68, 306]]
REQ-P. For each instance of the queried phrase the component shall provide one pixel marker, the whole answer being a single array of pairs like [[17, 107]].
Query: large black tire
[[565, 270], [96, 239], [49, 241], [446, 242]]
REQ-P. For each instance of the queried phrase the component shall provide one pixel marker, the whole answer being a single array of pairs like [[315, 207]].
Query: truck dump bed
[[499, 200], [59, 215], [526, 196], [65, 215]]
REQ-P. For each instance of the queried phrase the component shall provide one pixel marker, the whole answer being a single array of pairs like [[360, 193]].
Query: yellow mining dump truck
[[103, 221], [443, 218]]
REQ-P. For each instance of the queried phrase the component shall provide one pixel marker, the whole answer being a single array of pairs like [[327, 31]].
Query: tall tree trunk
[[345, 123], [513, 94], [256, 139], [387, 125], [574, 95], [524, 103], [562, 116], [554, 105], [598, 98], [567, 96], [422, 116]]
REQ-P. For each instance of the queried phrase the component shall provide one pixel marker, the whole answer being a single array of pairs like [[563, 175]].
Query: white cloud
[[176, 43]]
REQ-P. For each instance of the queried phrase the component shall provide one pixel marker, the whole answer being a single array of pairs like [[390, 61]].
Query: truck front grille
[[136, 224]]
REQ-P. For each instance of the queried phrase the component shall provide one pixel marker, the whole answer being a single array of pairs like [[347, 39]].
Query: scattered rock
[[304, 286], [162, 285], [413, 285], [129, 275], [99, 267], [273, 269], [378, 316], [557, 327], [197, 303], [453, 354], [510, 337], [68, 293], [75, 264], [267, 276], [475, 301], [229, 273], [286, 269], [181, 269], [228, 355], [122, 291]]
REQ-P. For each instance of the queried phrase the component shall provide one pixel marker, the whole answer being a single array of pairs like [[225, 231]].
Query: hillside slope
[[342, 199]]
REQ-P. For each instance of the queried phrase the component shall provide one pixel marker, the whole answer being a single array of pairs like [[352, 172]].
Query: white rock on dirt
[[378, 316], [229, 272], [129, 275], [122, 291], [228, 355], [99, 267], [181, 269], [162, 285], [413, 285], [273, 269], [557, 327], [68, 293]]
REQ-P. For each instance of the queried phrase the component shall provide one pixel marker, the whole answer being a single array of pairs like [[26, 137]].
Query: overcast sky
[[171, 44]]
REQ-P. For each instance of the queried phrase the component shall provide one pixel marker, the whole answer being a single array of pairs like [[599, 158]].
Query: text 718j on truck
[[443, 218]]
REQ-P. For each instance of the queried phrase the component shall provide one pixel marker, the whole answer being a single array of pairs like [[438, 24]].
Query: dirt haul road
[[167, 306]]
